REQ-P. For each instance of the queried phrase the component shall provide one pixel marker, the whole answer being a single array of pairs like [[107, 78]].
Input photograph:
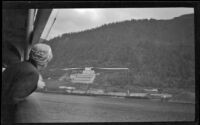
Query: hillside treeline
[[159, 53]]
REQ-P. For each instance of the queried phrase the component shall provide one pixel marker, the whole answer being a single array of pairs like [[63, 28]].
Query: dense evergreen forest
[[159, 53]]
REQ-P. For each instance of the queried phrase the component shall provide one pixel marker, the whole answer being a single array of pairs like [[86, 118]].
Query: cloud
[[74, 20]]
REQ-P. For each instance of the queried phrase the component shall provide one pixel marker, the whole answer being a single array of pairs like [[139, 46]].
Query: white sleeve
[[3, 69], [41, 83]]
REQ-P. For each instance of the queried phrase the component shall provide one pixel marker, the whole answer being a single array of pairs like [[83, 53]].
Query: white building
[[87, 76]]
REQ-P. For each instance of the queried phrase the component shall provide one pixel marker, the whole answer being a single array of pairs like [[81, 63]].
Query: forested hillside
[[159, 53]]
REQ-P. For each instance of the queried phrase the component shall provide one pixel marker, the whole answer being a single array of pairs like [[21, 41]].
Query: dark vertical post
[[40, 23], [128, 91], [29, 30]]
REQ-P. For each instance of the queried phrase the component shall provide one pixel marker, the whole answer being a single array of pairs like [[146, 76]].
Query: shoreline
[[125, 96]]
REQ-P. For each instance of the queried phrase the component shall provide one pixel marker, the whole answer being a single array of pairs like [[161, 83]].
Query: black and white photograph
[[98, 65]]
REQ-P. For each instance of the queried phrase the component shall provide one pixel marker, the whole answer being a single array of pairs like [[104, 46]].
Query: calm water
[[40, 107]]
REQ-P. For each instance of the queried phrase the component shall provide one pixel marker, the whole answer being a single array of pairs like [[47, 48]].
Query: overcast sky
[[74, 20]]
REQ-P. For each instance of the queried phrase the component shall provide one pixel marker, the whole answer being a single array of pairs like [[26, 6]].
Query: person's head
[[41, 54]]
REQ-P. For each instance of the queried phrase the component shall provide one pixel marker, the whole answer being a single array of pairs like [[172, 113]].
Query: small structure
[[95, 91], [139, 95], [67, 89], [151, 90], [87, 76], [117, 94], [162, 97]]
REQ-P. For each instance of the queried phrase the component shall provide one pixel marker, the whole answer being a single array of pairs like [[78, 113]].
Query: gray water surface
[[43, 107]]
